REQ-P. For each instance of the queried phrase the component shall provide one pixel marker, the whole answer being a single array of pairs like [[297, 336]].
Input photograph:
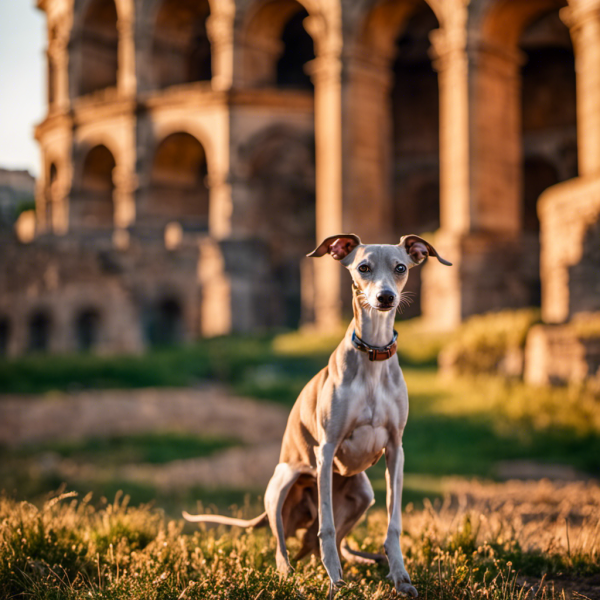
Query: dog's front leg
[[394, 458], [329, 553]]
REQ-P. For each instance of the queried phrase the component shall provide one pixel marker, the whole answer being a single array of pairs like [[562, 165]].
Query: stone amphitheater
[[193, 150]]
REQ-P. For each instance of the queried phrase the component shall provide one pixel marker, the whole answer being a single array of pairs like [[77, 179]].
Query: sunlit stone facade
[[259, 126]]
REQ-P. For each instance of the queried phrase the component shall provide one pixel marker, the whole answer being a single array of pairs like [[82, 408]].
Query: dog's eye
[[401, 269], [364, 268]]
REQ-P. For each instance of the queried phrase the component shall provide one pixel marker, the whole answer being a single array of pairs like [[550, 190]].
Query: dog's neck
[[372, 326]]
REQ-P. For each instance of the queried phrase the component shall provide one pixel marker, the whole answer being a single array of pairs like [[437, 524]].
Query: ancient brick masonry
[[222, 137]]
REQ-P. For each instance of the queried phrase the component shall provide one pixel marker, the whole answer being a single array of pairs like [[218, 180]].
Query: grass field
[[492, 544], [482, 546]]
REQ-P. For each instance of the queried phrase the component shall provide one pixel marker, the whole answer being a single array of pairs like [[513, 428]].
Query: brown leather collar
[[376, 352]]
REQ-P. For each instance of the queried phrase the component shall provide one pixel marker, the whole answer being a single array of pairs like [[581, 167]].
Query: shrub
[[490, 343]]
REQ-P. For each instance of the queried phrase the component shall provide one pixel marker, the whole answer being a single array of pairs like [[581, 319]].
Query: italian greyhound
[[347, 416]]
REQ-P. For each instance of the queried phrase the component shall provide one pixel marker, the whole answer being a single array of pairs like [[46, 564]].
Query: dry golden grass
[[499, 541]]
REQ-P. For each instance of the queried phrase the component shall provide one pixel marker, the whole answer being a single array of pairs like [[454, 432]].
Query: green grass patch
[[153, 448], [274, 367]]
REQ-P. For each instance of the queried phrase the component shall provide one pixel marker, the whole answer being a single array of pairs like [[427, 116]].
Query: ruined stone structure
[[16, 191], [194, 150]]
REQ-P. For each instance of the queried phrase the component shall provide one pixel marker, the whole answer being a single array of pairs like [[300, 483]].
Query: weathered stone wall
[[307, 118]]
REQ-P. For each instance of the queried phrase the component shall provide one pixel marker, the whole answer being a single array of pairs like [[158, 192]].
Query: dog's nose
[[386, 297]]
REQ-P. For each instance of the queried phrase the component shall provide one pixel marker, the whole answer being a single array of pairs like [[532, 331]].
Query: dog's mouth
[[385, 307]]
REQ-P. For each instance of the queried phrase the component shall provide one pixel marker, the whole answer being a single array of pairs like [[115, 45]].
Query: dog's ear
[[419, 249], [339, 246]]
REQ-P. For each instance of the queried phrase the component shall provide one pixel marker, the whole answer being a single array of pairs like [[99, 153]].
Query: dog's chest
[[373, 411]]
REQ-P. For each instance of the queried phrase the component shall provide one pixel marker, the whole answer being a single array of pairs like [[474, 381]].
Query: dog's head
[[379, 271]]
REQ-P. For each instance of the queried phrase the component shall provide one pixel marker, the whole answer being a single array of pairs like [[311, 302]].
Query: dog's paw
[[283, 566], [403, 585], [334, 571], [407, 589], [334, 588]]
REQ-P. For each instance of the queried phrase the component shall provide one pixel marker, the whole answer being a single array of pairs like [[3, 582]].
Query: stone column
[[126, 77], [452, 64], [60, 207], [442, 287], [220, 205], [326, 75], [58, 60], [368, 148], [125, 182], [497, 155], [220, 33], [583, 19]]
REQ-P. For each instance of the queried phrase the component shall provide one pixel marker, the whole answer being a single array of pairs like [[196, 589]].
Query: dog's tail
[[357, 556], [260, 521]]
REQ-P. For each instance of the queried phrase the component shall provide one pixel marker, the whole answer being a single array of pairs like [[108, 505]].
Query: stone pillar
[[58, 61], [220, 33], [452, 64], [326, 75], [125, 182], [60, 206], [368, 148], [583, 19], [442, 289], [126, 76], [497, 155], [220, 205]]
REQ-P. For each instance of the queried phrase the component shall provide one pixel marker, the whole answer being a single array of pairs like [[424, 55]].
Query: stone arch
[[91, 205], [280, 162], [181, 50], [39, 330], [98, 47], [276, 45], [5, 333], [548, 97], [383, 22], [178, 183], [87, 326]]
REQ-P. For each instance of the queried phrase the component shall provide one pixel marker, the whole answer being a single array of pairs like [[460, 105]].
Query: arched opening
[[165, 323], [4, 335], [39, 329], [394, 121], [99, 47], [91, 205], [179, 183], [548, 103], [523, 140], [50, 195], [298, 49], [282, 184], [277, 46], [538, 174], [415, 110], [181, 51], [415, 113], [87, 329]]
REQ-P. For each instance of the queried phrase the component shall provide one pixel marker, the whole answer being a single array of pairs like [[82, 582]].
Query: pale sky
[[22, 82]]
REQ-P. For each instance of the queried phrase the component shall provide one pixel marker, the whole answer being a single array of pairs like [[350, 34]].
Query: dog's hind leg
[[283, 479], [353, 496]]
